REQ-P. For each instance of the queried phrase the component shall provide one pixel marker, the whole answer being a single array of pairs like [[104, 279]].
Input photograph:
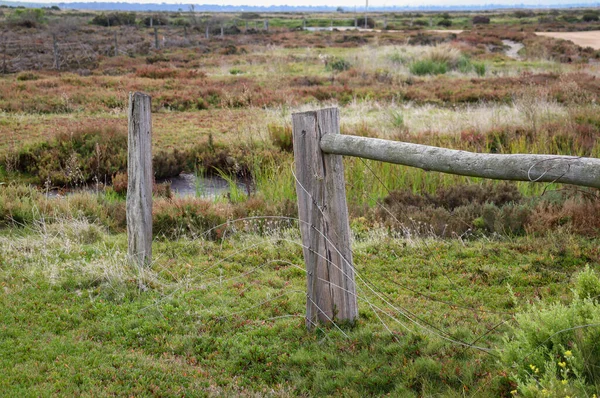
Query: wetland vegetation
[[465, 287]]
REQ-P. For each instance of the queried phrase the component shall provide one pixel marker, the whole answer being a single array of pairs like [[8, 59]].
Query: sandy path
[[583, 39], [514, 48]]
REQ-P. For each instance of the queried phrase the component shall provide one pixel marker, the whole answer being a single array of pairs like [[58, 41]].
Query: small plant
[[428, 67], [235, 71], [480, 68], [397, 118], [338, 65], [464, 65], [554, 349]]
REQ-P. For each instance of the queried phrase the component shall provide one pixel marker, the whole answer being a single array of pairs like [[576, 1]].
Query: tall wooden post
[[116, 45], [356, 22], [266, 25], [4, 59], [207, 33], [222, 31], [56, 53], [324, 225], [140, 177]]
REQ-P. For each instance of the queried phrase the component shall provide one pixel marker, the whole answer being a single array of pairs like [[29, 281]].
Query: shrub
[[428, 67], [27, 18], [24, 76], [114, 19], [77, 158], [445, 22], [155, 20], [523, 14], [590, 16], [554, 349], [481, 20], [338, 65]]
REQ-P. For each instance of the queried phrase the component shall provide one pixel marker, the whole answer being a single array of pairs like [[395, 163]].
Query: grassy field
[[465, 287]]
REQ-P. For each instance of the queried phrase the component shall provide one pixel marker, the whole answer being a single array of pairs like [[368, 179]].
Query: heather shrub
[[88, 154], [457, 211], [481, 20]]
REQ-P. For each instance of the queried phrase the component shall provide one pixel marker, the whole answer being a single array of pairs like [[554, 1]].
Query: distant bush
[[250, 15], [523, 14], [27, 18], [24, 76], [590, 16], [157, 20], [338, 65], [114, 19], [480, 20], [445, 22]]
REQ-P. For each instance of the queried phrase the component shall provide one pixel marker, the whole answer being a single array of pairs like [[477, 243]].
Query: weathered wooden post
[[355, 23], [303, 23], [266, 25], [222, 31], [156, 45], [323, 213], [140, 177], [116, 45], [207, 33], [56, 53]]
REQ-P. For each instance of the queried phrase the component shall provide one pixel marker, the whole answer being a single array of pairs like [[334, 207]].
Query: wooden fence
[[322, 208]]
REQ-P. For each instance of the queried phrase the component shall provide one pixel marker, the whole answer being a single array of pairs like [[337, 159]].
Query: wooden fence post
[[207, 33], [140, 178], [156, 43], [323, 213], [56, 53], [116, 45]]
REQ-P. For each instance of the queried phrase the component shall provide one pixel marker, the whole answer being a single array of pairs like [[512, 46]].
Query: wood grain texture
[[140, 178], [331, 292], [519, 167]]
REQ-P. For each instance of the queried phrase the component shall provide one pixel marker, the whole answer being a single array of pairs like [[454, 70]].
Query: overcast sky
[[348, 4]]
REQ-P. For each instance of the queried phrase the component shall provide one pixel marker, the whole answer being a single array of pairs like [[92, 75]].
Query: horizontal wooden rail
[[519, 167]]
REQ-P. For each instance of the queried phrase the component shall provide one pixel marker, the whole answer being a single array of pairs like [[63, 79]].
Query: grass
[[226, 317]]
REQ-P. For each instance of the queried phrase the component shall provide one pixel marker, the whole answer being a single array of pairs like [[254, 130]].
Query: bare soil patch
[[583, 39]]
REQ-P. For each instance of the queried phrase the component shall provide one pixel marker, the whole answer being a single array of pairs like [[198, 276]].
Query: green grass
[[428, 67], [226, 317]]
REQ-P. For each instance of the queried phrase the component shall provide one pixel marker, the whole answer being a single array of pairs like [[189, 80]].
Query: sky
[[346, 4]]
